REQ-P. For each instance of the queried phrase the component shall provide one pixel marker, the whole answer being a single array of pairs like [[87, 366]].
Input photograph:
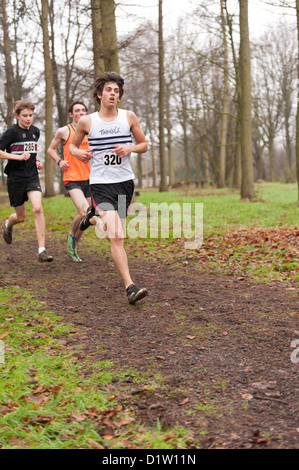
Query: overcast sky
[[262, 14]]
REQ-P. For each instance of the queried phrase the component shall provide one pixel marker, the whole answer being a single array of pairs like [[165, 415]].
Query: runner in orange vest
[[76, 174]]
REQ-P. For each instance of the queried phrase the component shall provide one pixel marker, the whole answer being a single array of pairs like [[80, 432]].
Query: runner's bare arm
[[61, 136], [12, 156], [83, 128], [141, 143]]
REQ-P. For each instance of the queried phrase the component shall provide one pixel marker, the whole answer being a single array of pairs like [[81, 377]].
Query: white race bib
[[111, 160], [30, 147]]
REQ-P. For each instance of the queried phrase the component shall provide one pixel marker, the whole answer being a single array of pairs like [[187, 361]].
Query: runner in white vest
[[109, 133]]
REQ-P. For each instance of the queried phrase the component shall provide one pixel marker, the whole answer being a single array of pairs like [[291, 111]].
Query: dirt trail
[[221, 345]]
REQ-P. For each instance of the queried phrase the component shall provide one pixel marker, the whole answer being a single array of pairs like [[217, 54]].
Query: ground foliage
[[209, 350]]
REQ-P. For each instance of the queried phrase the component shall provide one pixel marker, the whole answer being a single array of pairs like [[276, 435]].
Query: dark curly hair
[[71, 106], [106, 78]]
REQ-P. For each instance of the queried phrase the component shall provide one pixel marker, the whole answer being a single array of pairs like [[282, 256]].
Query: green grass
[[276, 205], [49, 400], [255, 238]]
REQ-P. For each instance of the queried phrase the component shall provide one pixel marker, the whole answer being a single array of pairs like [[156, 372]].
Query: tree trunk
[[9, 95], [169, 145], [247, 187], [163, 171], [297, 116], [109, 36], [272, 157], [225, 100], [139, 171], [288, 165], [48, 73], [154, 165], [57, 90], [98, 60], [9, 92]]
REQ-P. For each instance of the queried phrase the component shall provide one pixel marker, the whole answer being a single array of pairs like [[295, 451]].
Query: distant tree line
[[218, 107]]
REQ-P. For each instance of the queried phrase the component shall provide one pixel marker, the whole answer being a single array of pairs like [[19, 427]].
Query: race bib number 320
[[30, 147], [111, 159]]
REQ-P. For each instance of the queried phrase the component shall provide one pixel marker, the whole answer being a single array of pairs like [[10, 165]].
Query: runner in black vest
[[18, 145]]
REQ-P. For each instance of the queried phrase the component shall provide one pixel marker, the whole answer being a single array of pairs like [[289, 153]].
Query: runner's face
[[78, 111], [25, 118], [110, 95]]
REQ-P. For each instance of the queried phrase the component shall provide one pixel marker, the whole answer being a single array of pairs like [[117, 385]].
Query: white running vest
[[106, 166]]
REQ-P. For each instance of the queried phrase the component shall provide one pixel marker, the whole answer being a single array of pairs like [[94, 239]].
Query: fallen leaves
[[184, 402]]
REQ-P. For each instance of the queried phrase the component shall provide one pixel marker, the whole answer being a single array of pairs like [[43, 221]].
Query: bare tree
[[163, 171], [247, 188], [297, 116], [109, 37], [225, 101], [96, 21], [9, 75], [48, 73]]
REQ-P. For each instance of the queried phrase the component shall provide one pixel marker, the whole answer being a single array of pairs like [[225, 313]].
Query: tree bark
[[163, 171], [9, 76], [225, 100], [9, 95], [109, 36], [48, 73], [247, 187], [297, 116], [96, 21]]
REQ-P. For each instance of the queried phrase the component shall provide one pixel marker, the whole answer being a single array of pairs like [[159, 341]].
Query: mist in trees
[[188, 84]]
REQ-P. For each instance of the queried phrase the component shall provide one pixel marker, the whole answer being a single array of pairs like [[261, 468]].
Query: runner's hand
[[122, 150], [39, 165], [24, 156], [83, 155], [64, 165]]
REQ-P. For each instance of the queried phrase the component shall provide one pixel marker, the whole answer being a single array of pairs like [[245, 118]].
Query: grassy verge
[[49, 400], [257, 238]]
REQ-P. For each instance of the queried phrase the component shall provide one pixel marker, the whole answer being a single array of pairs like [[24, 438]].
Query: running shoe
[[72, 249], [84, 224], [134, 293], [43, 257], [7, 233]]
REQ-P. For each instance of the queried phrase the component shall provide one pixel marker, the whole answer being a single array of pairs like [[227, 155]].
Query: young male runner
[[18, 145], [111, 177], [75, 176]]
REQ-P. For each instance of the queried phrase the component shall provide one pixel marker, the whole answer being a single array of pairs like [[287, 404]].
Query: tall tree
[[163, 170], [8, 113], [297, 117], [96, 22], [109, 36], [247, 188], [225, 102], [48, 73], [9, 76]]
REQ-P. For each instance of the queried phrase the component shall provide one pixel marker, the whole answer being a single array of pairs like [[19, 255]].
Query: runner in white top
[[110, 145]]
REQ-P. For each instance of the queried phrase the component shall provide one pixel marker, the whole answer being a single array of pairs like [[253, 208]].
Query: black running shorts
[[83, 185], [18, 188], [113, 196]]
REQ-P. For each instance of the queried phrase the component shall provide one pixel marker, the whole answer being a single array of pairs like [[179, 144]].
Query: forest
[[209, 359], [218, 107]]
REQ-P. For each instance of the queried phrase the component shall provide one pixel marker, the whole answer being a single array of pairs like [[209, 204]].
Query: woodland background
[[218, 106]]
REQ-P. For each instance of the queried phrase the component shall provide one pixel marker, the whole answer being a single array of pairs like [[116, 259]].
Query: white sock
[[42, 248]]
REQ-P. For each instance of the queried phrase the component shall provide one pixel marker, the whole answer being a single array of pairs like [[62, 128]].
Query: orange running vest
[[77, 171]]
